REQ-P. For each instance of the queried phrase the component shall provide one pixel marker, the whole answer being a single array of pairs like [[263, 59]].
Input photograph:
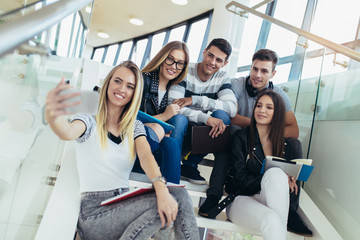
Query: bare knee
[[157, 129]]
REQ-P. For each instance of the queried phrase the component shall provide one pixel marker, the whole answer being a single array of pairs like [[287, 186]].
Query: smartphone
[[89, 101]]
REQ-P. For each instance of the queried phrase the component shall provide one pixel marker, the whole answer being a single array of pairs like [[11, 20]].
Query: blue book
[[146, 118], [305, 172]]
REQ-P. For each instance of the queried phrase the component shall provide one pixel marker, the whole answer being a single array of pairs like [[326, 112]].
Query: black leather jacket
[[149, 103], [244, 175]]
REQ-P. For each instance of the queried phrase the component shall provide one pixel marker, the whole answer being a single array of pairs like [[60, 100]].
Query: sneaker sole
[[199, 182]]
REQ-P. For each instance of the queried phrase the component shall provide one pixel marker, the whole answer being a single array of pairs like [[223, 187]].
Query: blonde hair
[[163, 54], [127, 118]]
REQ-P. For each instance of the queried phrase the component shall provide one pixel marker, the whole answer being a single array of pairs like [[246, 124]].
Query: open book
[[134, 192], [146, 118], [300, 169]]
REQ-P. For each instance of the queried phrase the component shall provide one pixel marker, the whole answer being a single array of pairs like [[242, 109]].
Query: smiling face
[[121, 88], [260, 74], [264, 110], [213, 60], [170, 72]]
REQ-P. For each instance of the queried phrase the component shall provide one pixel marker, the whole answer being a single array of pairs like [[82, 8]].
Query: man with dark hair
[[246, 89], [205, 98]]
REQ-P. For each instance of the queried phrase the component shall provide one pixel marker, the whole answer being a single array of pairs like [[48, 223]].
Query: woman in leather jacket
[[169, 66], [262, 203]]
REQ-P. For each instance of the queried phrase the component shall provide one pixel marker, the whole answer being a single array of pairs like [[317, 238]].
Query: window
[[336, 21], [64, 36], [157, 43], [110, 55], [98, 55], [196, 37], [177, 34], [139, 51], [250, 38], [124, 52]]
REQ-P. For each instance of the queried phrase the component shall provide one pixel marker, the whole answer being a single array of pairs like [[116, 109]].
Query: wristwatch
[[159, 178]]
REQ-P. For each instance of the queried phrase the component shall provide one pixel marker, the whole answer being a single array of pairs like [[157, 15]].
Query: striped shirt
[[214, 94]]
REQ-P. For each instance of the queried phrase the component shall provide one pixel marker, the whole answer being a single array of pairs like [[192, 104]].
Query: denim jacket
[[150, 100]]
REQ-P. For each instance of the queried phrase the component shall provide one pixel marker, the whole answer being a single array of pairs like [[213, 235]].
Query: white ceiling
[[112, 17]]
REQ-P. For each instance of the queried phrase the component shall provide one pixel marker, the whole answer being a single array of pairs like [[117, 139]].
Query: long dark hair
[[277, 125]]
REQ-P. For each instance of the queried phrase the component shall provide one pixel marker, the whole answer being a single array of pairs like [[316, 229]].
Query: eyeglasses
[[179, 66]]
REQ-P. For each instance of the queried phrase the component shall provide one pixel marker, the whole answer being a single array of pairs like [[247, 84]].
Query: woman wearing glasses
[[168, 67]]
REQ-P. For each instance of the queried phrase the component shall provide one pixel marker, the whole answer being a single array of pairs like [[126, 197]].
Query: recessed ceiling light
[[180, 2], [136, 21], [88, 9], [103, 35]]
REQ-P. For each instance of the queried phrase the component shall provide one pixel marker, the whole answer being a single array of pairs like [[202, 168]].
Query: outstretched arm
[[167, 205], [56, 109]]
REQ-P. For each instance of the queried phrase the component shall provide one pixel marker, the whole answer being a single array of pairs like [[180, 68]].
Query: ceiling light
[[88, 9], [136, 21], [180, 2], [103, 35]]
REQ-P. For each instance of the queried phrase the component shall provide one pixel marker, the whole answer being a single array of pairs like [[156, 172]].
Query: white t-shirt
[[102, 170]]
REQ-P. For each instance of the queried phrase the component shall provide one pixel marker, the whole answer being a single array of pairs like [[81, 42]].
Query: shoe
[[296, 225], [192, 175], [210, 202]]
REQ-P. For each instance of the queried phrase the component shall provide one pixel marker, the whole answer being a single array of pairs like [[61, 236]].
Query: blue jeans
[[167, 154], [180, 122], [133, 218], [184, 132]]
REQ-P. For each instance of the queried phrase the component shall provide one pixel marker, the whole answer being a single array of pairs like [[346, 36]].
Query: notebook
[[202, 143], [135, 192], [146, 118]]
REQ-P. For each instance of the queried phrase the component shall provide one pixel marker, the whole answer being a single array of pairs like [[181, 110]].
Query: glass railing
[[331, 138], [30, 153]]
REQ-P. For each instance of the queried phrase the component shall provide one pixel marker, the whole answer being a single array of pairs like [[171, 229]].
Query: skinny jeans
[[133, 218], [267, 211], [167, 154]]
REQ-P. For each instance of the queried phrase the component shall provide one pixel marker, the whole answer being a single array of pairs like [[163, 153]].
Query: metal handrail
[[324, 42], [17, 31]]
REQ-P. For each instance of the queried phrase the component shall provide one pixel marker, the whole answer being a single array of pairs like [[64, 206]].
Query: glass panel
[[196, 37], [139, 51], [337, 130], [157, 43], [98, 55], [125, 51], [30, 153], [177, 34], [110, 55]]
